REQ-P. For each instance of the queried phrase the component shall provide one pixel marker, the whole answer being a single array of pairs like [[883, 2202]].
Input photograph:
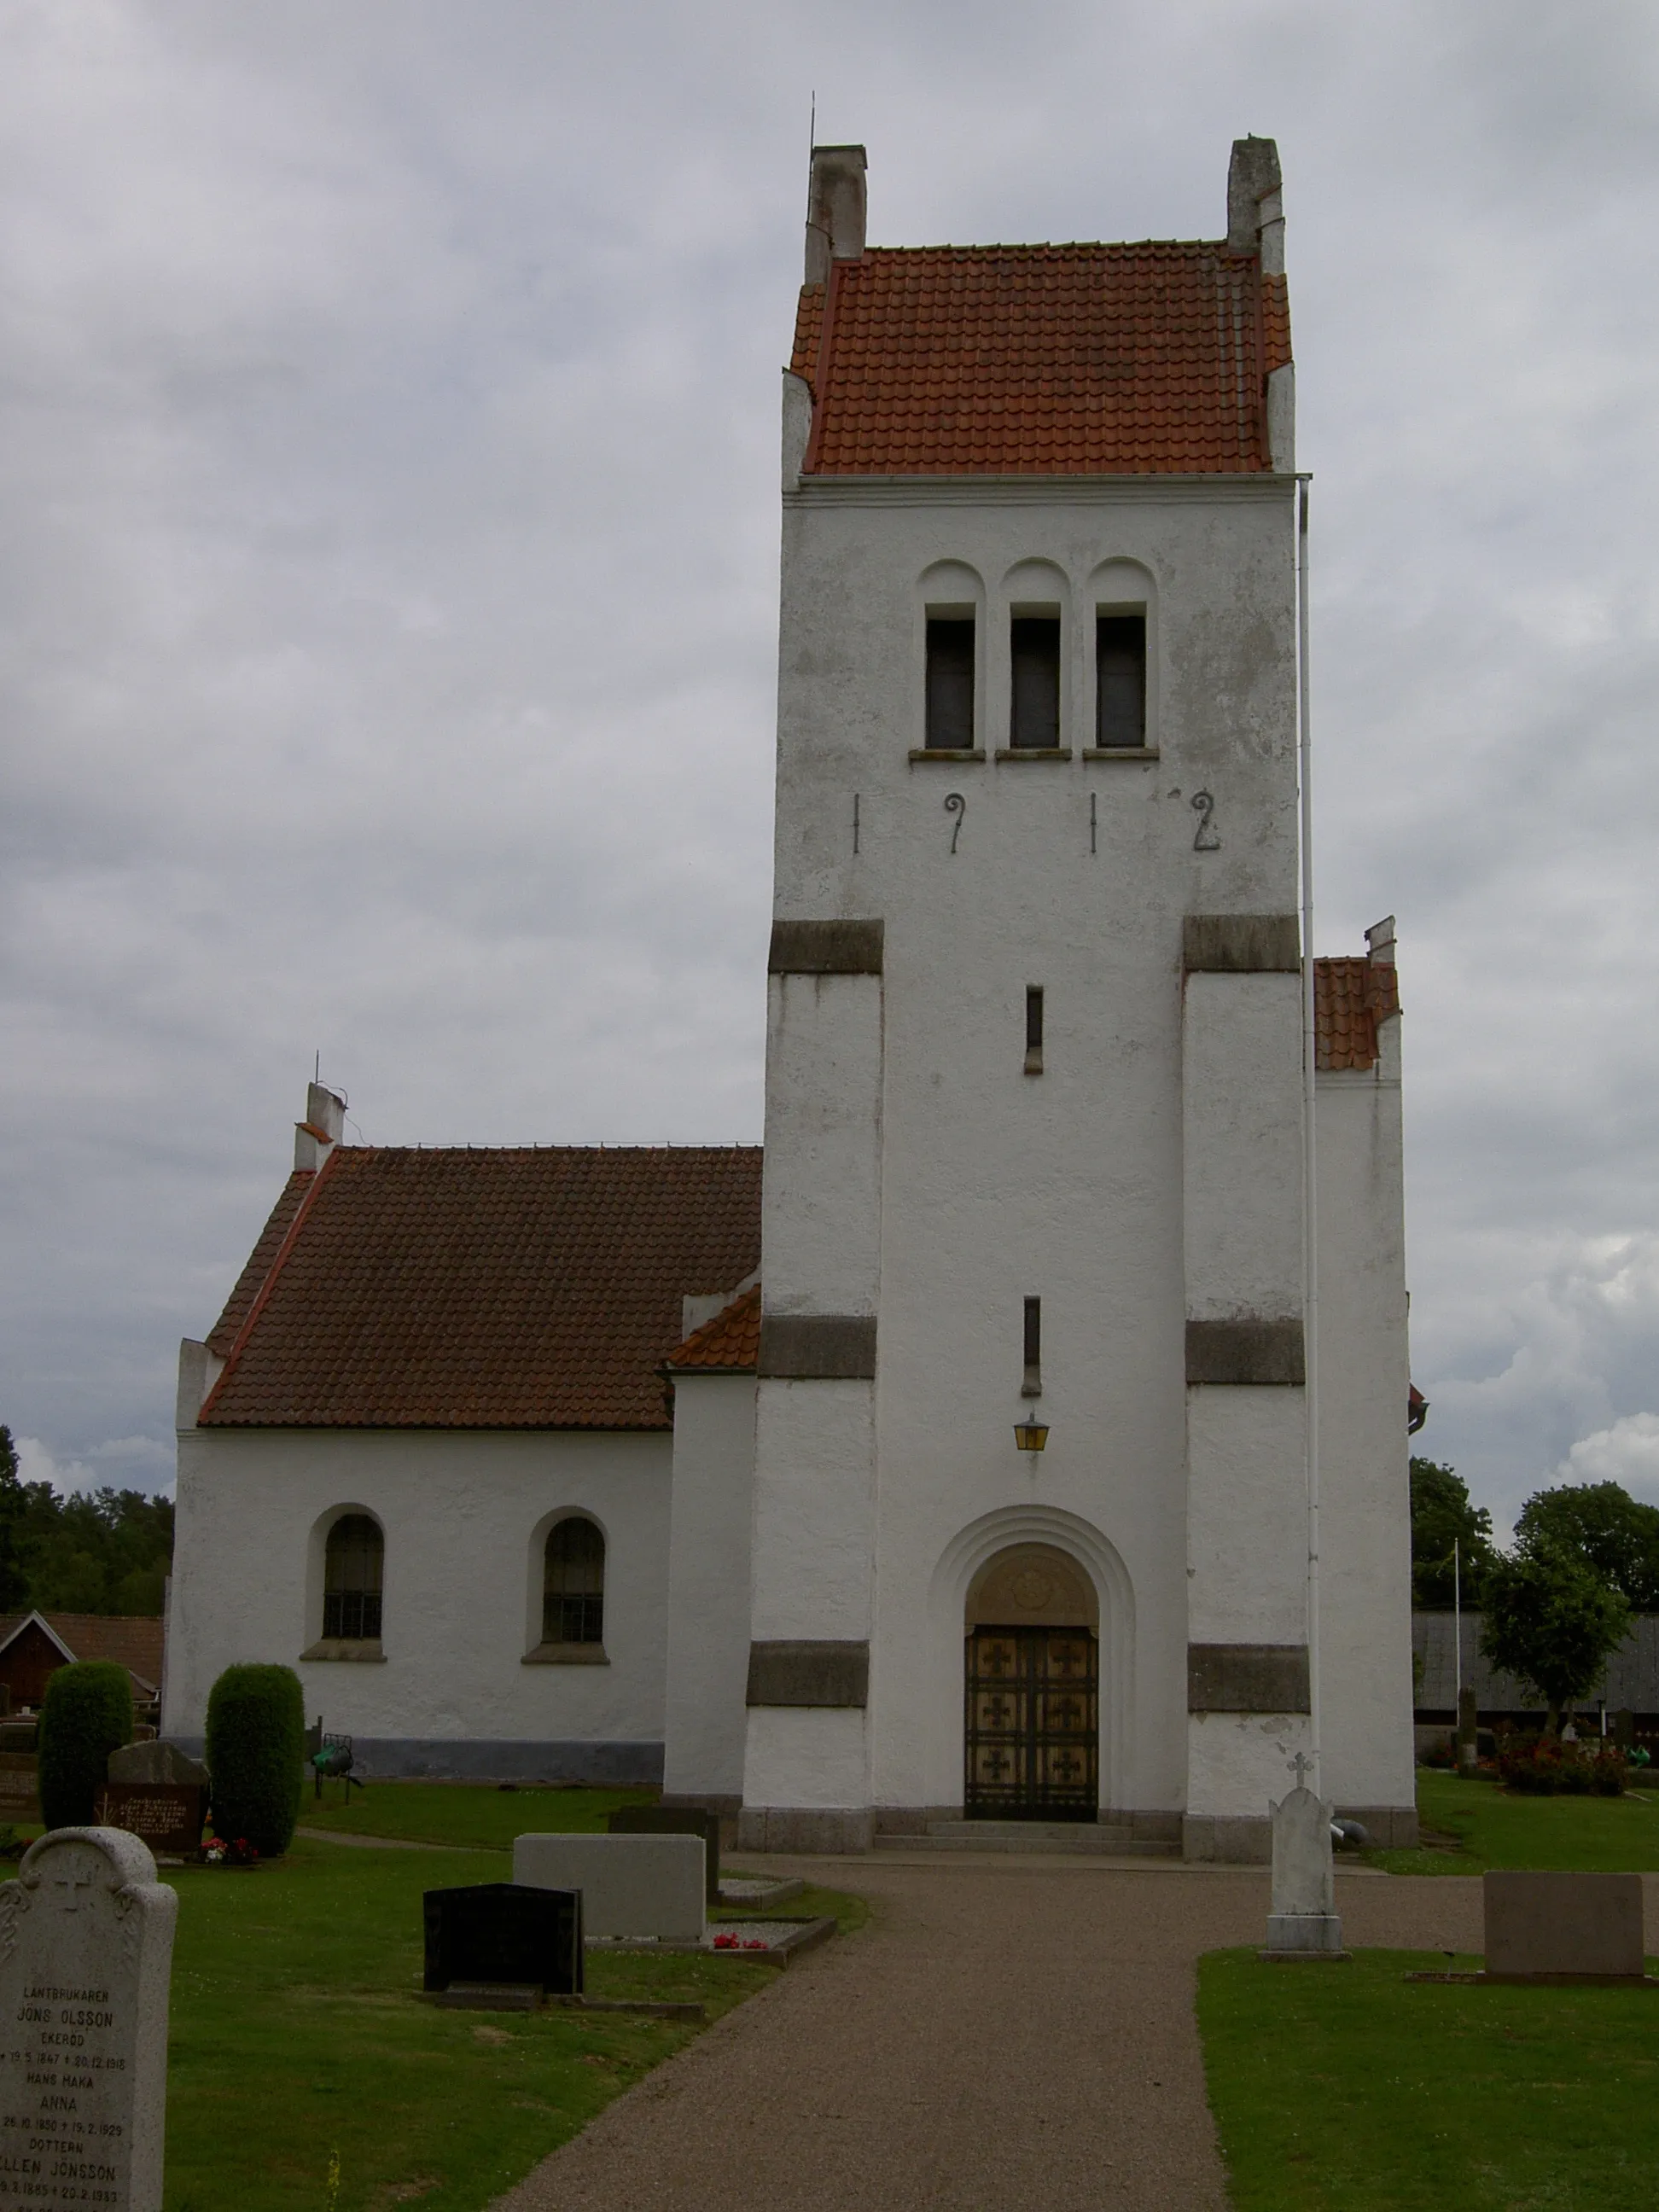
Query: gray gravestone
[[672, 1821], [86, 1953], [1304, 1920], [1468, 1728], [157, 1762], [1563, 1927], [632, 1886]]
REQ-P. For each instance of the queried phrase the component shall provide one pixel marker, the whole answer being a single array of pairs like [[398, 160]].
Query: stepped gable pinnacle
[[507, 1288], [1084, 360]]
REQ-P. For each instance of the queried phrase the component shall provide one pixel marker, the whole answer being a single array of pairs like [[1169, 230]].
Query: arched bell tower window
[[354, 1567], [573, 1586]]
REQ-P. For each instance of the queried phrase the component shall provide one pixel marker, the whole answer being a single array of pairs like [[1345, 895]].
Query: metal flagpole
[[1457, 1629], [1310, 1149]]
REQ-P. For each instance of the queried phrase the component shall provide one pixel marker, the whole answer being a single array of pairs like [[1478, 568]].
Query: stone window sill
[[347, 1647], [566, 1655], [945, 753], [1120, 752], [1034, 752]]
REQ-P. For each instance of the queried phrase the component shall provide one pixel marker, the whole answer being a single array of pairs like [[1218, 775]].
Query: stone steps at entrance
[[1078, 1838]]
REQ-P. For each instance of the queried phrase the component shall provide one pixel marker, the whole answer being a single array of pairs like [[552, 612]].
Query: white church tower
[[1035, 1145]]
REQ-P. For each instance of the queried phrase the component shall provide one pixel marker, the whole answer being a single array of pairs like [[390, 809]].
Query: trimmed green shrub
[[256, 1745], [86, 1714]]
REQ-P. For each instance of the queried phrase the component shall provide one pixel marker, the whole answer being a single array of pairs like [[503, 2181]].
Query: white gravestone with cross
[[86, 1953], [1303, 1922]]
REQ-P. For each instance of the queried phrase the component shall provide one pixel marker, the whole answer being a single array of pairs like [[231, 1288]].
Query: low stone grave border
[[1481, 1979], [761, 1889], [526, 1996], [803, 1935]]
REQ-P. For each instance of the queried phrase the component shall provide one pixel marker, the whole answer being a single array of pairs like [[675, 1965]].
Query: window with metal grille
[[950, 682], [353, 1564], [573, 1586], [1120, 680], [1034, 646]]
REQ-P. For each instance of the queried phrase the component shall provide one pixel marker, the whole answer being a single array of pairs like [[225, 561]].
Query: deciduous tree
[[1442, 1514], [1609, 1529], [1551, 1620]]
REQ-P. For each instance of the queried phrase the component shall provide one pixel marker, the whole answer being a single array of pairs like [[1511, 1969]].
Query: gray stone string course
[[86, 1956]]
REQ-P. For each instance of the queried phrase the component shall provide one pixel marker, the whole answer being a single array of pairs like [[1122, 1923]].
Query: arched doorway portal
[[1033, 1689]]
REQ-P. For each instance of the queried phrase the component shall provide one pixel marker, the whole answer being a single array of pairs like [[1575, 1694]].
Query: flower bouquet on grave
[[740, 1943], [235, 1851]]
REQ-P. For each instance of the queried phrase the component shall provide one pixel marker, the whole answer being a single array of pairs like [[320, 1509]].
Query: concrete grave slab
[[631, 1886]]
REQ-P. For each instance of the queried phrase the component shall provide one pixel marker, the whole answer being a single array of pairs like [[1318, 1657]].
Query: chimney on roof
[[315, 1138], [1379, 942], [835, 210], [1255, 204]]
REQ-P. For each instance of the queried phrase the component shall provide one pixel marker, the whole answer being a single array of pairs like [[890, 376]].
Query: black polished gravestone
[[667, 1820], [505, 1935]]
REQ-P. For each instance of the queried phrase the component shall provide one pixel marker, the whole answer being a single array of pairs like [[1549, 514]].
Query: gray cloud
[[389, 597]]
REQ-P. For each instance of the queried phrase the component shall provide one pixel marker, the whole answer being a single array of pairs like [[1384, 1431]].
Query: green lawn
[[297, 2034], [1343, 2086], [475, 1814], [1483, 1826]]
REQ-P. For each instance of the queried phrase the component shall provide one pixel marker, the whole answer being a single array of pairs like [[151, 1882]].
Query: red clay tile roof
[[1351, 996], [513, 1288], [731, 1340], [1051, 360], [260, 1263], [134, 1641]]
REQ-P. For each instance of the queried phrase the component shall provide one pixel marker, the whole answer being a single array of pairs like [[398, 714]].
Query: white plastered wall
[[813, 1576], [708, 1582], [461, 1512], [813, 1539], [1073, 875], [1364, 1378]]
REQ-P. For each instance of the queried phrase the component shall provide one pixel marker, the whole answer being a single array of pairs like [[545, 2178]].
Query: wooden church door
[[1033, 1724]]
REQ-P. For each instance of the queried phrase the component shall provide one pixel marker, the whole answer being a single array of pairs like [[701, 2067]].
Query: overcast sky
[[388, 398]]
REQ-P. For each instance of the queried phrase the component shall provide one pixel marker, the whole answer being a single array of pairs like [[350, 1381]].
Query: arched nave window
[[353, 1567], [572, 1585]]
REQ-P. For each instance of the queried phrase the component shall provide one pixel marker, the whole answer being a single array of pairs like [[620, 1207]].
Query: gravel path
[[1005, 2036]]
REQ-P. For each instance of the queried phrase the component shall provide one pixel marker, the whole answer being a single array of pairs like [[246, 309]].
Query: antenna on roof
[[317, 1066], [812, 128]]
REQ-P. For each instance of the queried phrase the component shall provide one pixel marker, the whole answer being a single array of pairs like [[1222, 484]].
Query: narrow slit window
[[950, 684], [1034, 643], [1120, 680], [1033, 1029], [1032, 1387], [572, 1585], [353, 1567]]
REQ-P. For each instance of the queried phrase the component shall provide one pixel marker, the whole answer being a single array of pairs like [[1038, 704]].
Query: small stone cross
[[67, 1886], [1302, 1767]]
